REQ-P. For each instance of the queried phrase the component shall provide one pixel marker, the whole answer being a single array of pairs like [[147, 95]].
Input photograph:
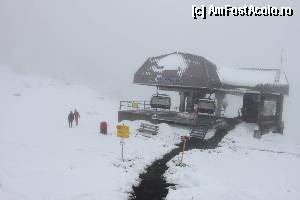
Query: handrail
[[135, 105], [140, 105]]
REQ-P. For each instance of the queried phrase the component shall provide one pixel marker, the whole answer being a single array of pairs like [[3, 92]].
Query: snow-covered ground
[[243, 168], [41, 158]]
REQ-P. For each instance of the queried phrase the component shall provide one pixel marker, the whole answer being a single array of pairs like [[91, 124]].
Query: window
[[256, 98], [269, 108]]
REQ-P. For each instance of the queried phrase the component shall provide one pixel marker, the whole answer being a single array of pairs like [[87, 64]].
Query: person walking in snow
[[77, 116], [70, 119]]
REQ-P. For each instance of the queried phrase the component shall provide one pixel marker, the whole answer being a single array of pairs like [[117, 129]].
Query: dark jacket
[[71, 117]]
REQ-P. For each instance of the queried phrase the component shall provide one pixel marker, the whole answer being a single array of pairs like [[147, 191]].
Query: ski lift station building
[[202, 88]]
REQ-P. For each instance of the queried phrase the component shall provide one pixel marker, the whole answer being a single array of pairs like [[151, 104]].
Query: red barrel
[[103, 128]]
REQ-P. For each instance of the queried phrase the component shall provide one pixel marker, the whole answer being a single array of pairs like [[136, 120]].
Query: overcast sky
[[105, 42]]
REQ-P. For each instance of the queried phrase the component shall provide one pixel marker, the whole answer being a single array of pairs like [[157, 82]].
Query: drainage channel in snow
[[153, 185]]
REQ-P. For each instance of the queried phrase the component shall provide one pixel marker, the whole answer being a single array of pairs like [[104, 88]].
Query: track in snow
[[153, 185]]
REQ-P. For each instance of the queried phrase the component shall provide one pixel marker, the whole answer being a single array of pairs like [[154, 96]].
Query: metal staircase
[[199, 132]]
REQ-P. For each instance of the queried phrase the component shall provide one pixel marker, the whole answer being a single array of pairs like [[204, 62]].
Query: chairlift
[[160, 101], [206, 105]]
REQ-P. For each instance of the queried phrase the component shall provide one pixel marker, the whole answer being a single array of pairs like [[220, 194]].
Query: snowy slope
[[41, 158], [243, 168]]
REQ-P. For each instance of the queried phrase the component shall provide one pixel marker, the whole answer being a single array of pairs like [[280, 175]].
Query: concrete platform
[[169, 117]]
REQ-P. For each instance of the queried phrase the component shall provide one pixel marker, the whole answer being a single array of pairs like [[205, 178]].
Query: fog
[[102, 43]]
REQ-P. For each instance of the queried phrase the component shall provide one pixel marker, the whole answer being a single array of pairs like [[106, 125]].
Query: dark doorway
[[251, 102]]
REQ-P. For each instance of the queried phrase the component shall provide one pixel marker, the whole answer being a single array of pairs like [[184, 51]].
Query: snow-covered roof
[[181, 70], [272, 80], [173, 61], [178, 70], [250, 77]]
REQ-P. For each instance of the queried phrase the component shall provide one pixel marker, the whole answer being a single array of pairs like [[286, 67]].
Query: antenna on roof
[[281, 59], [277, 77]]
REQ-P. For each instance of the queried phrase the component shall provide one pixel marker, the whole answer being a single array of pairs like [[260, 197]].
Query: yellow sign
[[135, 104], [123, 131]]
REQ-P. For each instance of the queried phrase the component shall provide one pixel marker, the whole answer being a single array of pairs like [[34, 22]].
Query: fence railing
[[134, 105], [142, 105]]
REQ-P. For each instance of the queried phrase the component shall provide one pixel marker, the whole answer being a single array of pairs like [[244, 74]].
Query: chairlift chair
[[160, 101], [206, 105]]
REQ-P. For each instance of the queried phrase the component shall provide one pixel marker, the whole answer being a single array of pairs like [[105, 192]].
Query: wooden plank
[[148, 128]]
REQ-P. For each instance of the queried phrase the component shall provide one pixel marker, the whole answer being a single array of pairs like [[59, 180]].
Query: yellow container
[[123, 131]]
